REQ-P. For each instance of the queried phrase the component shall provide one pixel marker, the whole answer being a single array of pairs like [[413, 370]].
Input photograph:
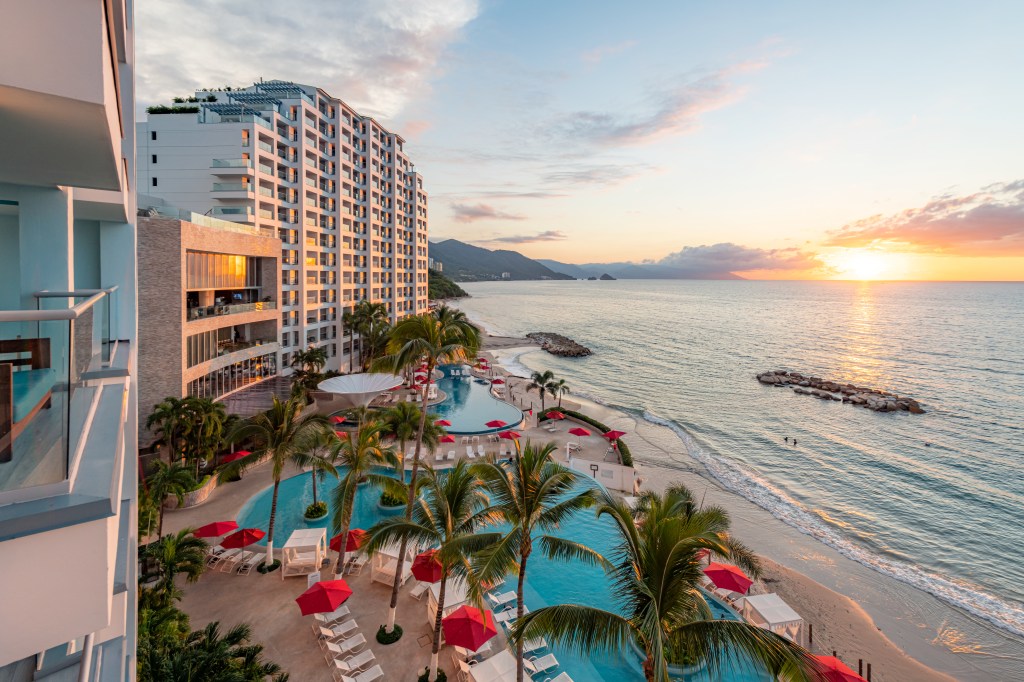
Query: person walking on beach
[[786, 439]]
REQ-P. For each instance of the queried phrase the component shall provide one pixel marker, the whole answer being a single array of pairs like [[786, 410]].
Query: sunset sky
[[787, 140]]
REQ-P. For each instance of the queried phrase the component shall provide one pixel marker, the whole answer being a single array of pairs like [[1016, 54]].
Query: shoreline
[[840, 622]]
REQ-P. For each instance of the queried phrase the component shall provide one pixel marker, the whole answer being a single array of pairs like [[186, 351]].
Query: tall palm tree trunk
[[313, 474], [270, 526], [437, 628], [346, 523], [159, 518], [393, 608], [524, 552]]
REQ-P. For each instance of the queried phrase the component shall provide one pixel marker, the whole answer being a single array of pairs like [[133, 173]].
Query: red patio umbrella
[[323, 597], [215, 529], [235, 456], [831, 669], [338, 419], [496, 424], [509, 435], [426, 567], [468, 627], [579, 431], [728, 577], [442, 422], [498, 382], [447, 438], [614, 435], [242, 538], [356, 538], [555, 414]]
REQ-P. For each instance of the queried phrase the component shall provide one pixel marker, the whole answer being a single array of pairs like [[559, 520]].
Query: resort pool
[[548, 582], [469, 405]]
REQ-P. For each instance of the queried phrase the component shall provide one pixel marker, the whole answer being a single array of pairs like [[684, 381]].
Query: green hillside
[[440, 287]]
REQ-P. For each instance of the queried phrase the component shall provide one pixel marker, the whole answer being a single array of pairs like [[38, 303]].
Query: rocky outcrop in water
[[872, 399], [556, 344]]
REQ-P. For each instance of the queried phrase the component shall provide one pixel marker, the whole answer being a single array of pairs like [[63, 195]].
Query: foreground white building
[[336, 186], [67, 342]]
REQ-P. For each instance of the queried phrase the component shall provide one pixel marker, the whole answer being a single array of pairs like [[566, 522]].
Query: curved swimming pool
[[548, 582], [468, 403]]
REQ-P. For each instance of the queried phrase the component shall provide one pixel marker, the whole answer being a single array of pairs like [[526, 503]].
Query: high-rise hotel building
[[335, 186]]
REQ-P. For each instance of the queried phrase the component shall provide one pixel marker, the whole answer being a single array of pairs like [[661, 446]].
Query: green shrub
[[200, 484], [624, 453], [425, 675], [269, 568], [387, 500], [177, 109], [316, 510], [385, 637]]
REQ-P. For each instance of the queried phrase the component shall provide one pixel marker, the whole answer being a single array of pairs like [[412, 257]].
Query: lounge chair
[[213, 554], [480, 451], [531, 645], [343, 649], [464, 440], [439, 457], [474, 439], [451, 455], [502, 600], [223, 555], [371, 675], [333, 617], [538, 665], [355, 566], [560, 677], [506, 617], [228, 564], [353, 664], [464, 672], [26, 387], [338, 631], [469, 452], [251, 563], [419, 589]]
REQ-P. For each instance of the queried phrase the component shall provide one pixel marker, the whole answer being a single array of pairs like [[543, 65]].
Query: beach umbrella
[[555, 414], [235, 456], [496, 424], [498, 382], [356, 538], [728, 577], [215, 529], [426, 567], [831, 669], [468, 627], [323, 597], [442, 422], [338, 419], [447, 438], [614, 435], [579, 431], [509, 435], [242, 538]]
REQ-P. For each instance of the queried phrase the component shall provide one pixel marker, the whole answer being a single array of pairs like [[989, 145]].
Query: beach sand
[[840, 624]]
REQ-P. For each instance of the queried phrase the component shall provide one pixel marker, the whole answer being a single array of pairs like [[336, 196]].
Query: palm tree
[[204, 429], [401, 422], [532, 493], [367, 318], [374, 341], [558, 388], [178, 553], [284, 435], [448, 517], [323, 451], [539, 382], [442, 336], [207, 655], [656, 578], [167, 421], [168, 479], [311, 361], [360, 453]]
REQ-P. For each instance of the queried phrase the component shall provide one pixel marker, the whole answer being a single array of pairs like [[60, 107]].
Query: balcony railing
[[231, 163], [232, 187], [199, 312]]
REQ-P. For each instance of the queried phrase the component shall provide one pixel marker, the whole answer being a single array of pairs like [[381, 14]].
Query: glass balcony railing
[[47, 358], [232, 187], [231, 163], [199, 312]]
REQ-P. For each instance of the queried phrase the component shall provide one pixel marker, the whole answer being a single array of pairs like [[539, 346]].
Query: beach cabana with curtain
[[304, 552], [770, 612], [385, 563]]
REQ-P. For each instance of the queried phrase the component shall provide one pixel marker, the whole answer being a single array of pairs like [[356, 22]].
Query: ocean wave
[[761, 492]]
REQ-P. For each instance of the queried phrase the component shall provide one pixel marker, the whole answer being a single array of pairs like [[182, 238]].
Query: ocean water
[[933, 500]]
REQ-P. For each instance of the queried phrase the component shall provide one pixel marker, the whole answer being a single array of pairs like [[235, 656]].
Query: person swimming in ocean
[[786, 439]]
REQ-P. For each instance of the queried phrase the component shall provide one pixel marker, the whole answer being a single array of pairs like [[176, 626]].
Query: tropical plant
[[210, 656], [323, 450], [401, 421], [539, 382], [168, 422], [449, 517], [368, 319], [374, 337], [172, 555], [656, 575], [168, 479], [285, 436], [149, 513], [360, 452], [531, 494], [558, 388], [204, 429], [309, 365], [442, 336]]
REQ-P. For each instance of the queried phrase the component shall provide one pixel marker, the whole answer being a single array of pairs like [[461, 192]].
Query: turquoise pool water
[[469, 404], [548, 582]]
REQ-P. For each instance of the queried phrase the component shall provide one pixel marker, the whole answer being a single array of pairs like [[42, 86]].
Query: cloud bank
[[376, 56], [711, 259], [987, 223], [546, 236], [468, 213]]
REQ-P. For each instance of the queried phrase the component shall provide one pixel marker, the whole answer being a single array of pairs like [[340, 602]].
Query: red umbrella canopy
[[356, 538], [468, 627], [323, 597], [447, 438], [442, 422], [242, 538], [426, 567], [831, 669], [509, 435], [215, 529], [555, 414], [728, 577], [498, 382], [234, 456], [614, 435], [579, 431], [496, 424], [338, 419]]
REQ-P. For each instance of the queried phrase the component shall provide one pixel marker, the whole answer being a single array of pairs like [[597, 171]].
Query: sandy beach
[[840, 624]]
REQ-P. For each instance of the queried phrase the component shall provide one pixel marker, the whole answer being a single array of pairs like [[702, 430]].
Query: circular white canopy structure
[[355, 390]]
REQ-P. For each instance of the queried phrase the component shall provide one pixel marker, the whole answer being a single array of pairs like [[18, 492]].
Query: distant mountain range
[[467, 263]]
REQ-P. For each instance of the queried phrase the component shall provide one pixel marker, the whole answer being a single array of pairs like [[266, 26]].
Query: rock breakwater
[[872, 399], [556, 344]]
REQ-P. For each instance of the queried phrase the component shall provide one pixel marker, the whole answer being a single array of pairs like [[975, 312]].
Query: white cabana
[[385, 564], [501, 667], [768, 611], [304, 552], [455, 595], [357, 390]]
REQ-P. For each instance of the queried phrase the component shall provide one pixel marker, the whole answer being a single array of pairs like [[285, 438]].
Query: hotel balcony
[[232, 190], [232, 167], [201, 312]]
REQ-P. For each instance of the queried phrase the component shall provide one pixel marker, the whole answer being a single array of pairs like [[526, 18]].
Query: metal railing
[[199, 312]]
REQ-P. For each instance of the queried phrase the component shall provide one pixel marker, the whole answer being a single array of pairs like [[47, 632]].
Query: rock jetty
[[556, 344], [872, 399]]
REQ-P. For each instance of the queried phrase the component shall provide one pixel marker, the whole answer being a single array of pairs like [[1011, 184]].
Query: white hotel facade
[[335, 186]]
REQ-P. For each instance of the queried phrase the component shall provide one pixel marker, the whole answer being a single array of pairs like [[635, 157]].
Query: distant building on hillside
[[335, 186], [506, 275], [435, 265]]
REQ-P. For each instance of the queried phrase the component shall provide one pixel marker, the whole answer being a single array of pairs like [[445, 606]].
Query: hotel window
[[154, 159], [154, 181], [152, 134]]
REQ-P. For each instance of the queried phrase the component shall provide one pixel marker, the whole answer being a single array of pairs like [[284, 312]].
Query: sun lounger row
[[228, 560], [345, 649]]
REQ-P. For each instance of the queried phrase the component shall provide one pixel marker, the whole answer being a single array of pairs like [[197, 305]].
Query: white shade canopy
[[769, 611], [357, 390]]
